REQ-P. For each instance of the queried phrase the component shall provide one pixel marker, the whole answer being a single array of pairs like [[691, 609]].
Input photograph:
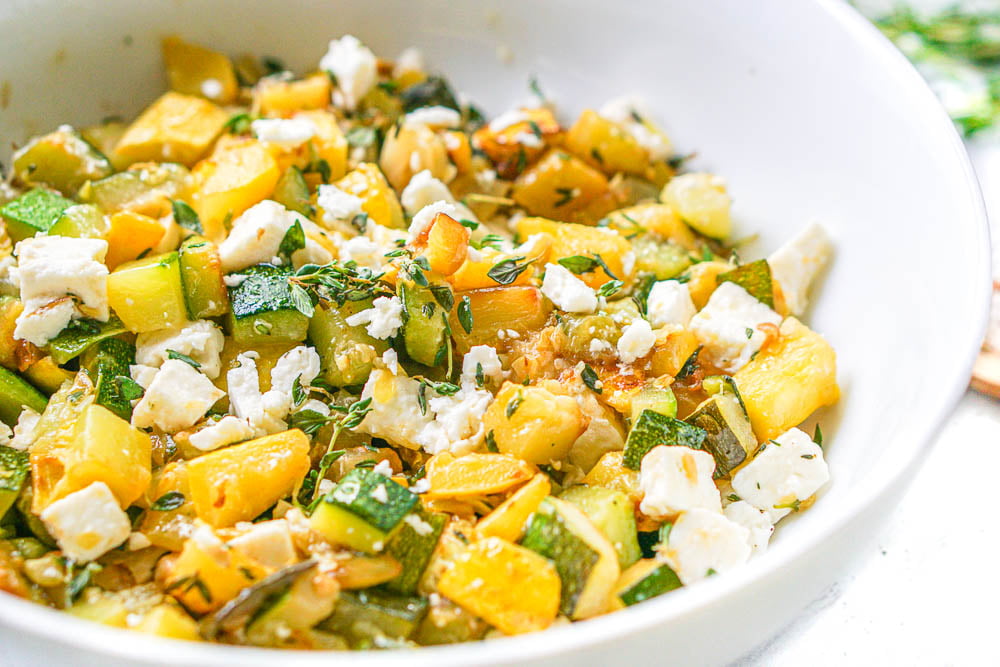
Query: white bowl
[[806, 110]]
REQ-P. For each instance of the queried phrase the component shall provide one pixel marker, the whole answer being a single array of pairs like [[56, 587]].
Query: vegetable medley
[[332, 361]]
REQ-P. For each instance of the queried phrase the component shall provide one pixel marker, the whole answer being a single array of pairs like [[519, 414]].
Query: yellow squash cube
[[508, 519], [702, 201], [508, 586], [168, 620], [569, 239], [519, 308], [175, 128], [533, 424], [239, 482], [147, 294], [281, 98], [563, 187], [235, 177], [658, 219], [329, 142], [475, 474], [378, 200], [605, 145], [788, 380], [195, 70], [410, 150]]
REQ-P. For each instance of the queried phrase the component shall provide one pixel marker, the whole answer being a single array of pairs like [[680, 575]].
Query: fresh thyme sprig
[[335, 282]]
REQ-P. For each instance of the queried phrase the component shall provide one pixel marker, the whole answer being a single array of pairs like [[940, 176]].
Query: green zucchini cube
[[201, 275], [612, 513], [424, 325], [647, 579], [262, 309], [728, 434], [15, 395], [107, 361], [653, 429], [363, 511], [13, 472], [412, 546], [346, 351], [34, 211], [75, 340], [362, 616]]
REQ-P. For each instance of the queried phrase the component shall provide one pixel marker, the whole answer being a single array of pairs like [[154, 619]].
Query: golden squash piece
[[329, 143], [533, 424], [508, 586], [569, 239], [147, 294], [446, 244], [175, 128], [703, 280], [281, 98], [788, 380], [673, 346], [411, 150], [129, 235], [508, 519], [517, 308], [168, 620], [169, 528], [239, 174], [474, 274], [702, 202], [47, 375], [658, 219], [563, 187], [514, 145], [378, 200], [96, 446], [604, 145], [611, 473], [195, 70], [474, 474], [239, 482]]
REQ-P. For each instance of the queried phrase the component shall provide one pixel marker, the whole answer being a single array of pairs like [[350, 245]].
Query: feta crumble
[[419, 526], [257, 234], [481, 357], [796, 264], [177, 398], [507, 119], [142, 375], [288, 133], [336, 204], [226, 431], [354, 66], [434, 117], [384, 318], [424, 190], [788, 471], [383, 468], [409, 60], [268, 543], [201, 340], [87, 523], [566, 291], [727, 326], [703, 543], [669, 302], [677, 479], [757, 523], [636, 341], [24, 430], [247, 402]]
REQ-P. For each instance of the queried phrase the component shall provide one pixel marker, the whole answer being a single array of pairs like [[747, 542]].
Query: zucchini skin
[[661, 580], [262, 309], [16, 394], [201, 276], [424, 325], [653, 429], [74, 341], [722, 437], [359, 612], [414, 551], [111, 360], [14, 468]]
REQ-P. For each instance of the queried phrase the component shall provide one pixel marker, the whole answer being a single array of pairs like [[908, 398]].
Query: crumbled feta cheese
[[315, 406], [757, 523], [632, 114], [269, 543], [677, 479], [702, 543], [528, 140], [61, 279], [288, 133], [177, 397], [507, 119], [410, 60], [424, 190], [211, 88], [422, 485], [138, 541], [419, 526], [326, 486], [424, 218], [383, 468], [87, 523], [670, 302], [391, 361], [354, 66], [201, 340], [226, 431], [383, 319], [234, 280], [8, 276], [301, 362], [434, 117], [246, 401], [5, 434], [256, 235], [797, 263], [24, 430], [727, 326], [636, 341], [337, 204], [458, 421], [789, 470], [599, 346], [566, 291], [142, 375], [484, 359], [379, 494]]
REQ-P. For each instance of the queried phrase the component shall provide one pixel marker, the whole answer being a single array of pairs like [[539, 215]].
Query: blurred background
[[924, 593]]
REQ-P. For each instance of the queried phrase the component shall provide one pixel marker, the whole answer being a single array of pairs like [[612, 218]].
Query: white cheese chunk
[[354, 66], [247, 402], [757, 523], [256, 235], [288, 133], [383, 319], [24, 430], [269, 543], [336, 204], [788, 471], [409, 60], [484, 359], [87, 523], [177, 398], [61, 279], [143, 375], [138, 541], [636, 341], [301, 362], [424, 190], [677, 479], [796, 264], [669, 302], [458, 422], [727, 326], [201, 340], [436, 117], [424, 218], [226, 431], [566, 291], [703, 543], [508, 119]]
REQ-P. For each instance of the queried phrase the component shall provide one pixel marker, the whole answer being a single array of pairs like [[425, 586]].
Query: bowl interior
[[805, 112]]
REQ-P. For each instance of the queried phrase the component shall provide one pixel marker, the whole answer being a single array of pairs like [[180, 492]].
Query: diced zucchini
[[424, 324], [76, 338], [262, 309], [292, 192], [62, 160], [728, 434], [347, 352], [104, 608], [13, 471], [108, 360], [652, 429], [613, 513], [147, 294], [300, 607], [662, 259], [82, 221], [147, 190], [656, 398], [366, 615], [755, 278], [15, 395], [33, 212], [354, 513], [646, 579], [447, 623], [412, 546], [584, 558], [29, 547], [201, 274]]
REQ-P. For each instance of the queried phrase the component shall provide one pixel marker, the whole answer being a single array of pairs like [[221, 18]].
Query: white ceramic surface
[[805, 109]]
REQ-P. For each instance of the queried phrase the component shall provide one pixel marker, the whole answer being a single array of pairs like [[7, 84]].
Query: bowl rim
[[40, 621]]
